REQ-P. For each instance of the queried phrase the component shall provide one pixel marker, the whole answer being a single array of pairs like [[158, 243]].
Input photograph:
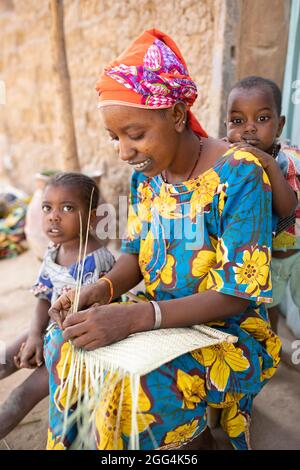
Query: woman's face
[[146, 139]]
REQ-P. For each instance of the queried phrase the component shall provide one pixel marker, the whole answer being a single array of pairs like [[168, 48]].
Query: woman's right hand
[[97, 293]]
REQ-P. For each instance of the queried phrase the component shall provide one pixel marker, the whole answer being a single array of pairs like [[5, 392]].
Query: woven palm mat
[[144, 352]]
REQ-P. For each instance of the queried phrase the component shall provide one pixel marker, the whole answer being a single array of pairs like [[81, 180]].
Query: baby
[[254, 123]]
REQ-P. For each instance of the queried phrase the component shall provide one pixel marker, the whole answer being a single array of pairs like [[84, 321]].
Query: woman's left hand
[[99, 325]]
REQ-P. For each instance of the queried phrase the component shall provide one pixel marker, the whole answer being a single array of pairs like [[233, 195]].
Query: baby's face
[[252, 117]]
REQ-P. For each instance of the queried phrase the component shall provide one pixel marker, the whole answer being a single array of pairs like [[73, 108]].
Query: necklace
[[275, 151], [164, 178]]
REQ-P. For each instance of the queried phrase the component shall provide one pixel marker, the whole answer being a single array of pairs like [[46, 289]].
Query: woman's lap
[[172, 402]]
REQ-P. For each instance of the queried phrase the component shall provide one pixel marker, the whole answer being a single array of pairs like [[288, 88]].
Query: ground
[[276, 414]]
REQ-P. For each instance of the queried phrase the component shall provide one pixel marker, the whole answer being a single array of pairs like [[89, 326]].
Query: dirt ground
[[276, 414]]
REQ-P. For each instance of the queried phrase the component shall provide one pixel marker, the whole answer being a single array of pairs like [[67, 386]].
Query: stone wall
[[96, 31]]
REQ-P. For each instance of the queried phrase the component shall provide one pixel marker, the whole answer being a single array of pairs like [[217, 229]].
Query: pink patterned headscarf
[[151, 73]]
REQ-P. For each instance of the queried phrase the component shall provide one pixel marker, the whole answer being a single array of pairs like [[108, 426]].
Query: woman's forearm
[[107, 324], [187, 311], [125, 274]]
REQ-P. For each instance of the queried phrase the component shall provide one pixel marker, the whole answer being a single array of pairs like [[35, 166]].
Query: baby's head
[[65, 196], [254, 113]]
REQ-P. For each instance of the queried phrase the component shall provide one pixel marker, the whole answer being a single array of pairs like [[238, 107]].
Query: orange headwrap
[[151, 73]]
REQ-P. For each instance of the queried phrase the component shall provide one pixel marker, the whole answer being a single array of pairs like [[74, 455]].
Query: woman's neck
[[186, 158], [212, 150]]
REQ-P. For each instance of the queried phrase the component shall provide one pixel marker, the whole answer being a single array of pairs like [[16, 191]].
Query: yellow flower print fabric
[[220, 361], [110, 427], [213, 232], [216, 235]]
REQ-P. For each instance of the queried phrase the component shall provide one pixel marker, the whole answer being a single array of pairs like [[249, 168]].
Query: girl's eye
[[236, 121], [263, 118], [68, 208], [46, 208]]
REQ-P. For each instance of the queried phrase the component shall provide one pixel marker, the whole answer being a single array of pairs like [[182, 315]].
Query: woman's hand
[[89, 295], [103, 325], [98, 326], [30, 354]]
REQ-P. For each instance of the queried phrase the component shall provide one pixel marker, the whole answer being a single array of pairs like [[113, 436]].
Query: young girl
[[66, 196], [254, 123]]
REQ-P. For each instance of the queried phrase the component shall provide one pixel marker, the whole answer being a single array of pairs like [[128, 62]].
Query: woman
[[199, 235]]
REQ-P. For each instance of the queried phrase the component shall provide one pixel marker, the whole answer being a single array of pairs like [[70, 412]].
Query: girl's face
[[252, 117], [61, 207], [146, 139]]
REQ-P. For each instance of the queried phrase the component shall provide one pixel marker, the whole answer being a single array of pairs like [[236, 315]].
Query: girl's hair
[[84, 183], [260, 82]]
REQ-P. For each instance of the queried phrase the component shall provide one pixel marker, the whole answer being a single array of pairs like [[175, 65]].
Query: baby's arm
[[31, 352], [283, 197]]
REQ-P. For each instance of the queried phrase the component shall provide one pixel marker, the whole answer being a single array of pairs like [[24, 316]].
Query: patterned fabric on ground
[[213, 232], [12, 222]]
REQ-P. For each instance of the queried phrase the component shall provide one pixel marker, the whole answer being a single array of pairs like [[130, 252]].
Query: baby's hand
[[266, 160], [31, 353]]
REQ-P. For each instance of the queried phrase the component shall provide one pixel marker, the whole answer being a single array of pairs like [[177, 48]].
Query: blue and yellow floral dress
[[212, 232]]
